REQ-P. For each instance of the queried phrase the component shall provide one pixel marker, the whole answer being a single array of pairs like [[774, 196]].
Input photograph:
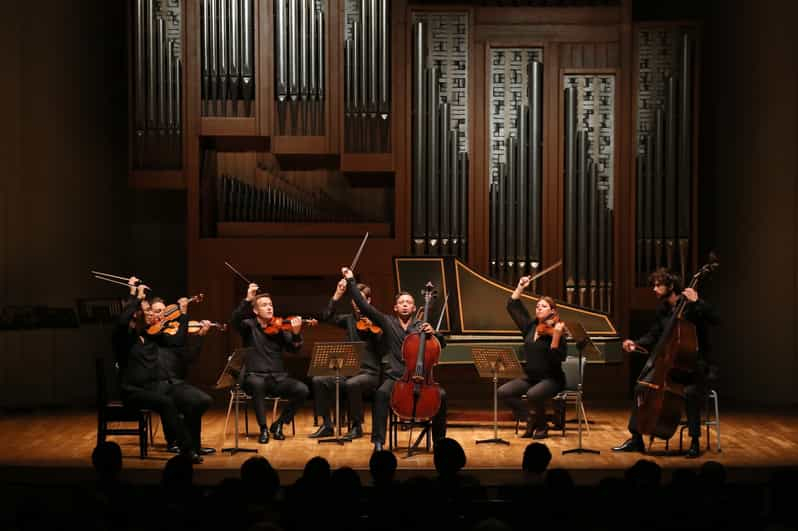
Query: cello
[[660, 395], [416, 396]]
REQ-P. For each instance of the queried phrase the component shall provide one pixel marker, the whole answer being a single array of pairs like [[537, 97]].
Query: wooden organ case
[[495, 139]]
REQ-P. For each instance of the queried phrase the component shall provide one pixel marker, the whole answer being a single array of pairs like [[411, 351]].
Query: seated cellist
[[395, 328], [667, 287]]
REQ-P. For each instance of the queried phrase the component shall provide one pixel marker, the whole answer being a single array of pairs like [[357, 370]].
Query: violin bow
[[443, 309], [234, 270], [357, 254], [547, 270], [111, 279]]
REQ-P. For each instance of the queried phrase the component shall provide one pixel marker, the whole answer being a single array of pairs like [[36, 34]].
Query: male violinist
[[668, 288], [368, 377], [394, 328], [144, 381], [176, 354], [264, 372]]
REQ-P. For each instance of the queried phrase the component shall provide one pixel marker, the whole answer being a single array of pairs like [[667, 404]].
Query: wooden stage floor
[[56, 446]]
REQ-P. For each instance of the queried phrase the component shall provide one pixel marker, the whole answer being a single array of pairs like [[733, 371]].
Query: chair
[[243, 399], [569, 393], [394, 423], [111, 410], [714, 422], [574, 374]]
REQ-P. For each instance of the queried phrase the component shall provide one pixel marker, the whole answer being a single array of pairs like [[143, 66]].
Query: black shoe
[[541, 432], [695, 449], [206, 451], [632, 444], [277, 431], [172, 448], [264, 435], [378, 446], [530, 429], [355, 433], [325, 430], [194, 456]]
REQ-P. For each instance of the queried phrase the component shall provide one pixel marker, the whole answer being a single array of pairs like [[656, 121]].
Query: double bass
[[660, 399], [416, 396]]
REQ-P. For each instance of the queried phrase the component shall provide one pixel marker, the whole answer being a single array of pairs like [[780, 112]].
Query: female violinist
[[265, 373], [358, 328], [395, 328], [544, 351]]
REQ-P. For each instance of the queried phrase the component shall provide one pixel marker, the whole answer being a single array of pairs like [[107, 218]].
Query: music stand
[[340, 358], [231, 376], [489, 363], [585, 346]]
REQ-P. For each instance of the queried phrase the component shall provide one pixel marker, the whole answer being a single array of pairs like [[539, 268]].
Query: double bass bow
[[660, 398], [416, 396]]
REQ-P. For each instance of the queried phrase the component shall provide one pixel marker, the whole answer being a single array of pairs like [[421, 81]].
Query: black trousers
[[382, 407], [355, 388], [170, 400], [259, 386], [695, 391], [537, 391]]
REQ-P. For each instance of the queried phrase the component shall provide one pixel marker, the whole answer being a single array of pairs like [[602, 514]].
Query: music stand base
[[580, 451], [497, 441], [234, 451]]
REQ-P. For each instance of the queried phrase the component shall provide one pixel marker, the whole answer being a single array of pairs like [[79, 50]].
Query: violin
[[194, 327], [364, 324], [171, 313], [546, 326], [279, 324]]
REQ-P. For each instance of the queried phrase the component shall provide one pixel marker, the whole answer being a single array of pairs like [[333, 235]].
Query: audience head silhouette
[[537, 457], [107, 461], [383, 467], [449, 457]]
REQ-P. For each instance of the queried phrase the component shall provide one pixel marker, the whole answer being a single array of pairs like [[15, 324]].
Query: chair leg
[[143, 438], [227, 419], [149, 425], [246, 418], [584, 417], [717, 419]]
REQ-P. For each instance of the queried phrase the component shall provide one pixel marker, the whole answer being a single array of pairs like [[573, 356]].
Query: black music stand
[[341, 358], [231, 376], [489, 363], [585, 346]]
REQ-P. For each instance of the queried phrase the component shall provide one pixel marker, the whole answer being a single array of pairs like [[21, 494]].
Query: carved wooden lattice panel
[[508, 93]]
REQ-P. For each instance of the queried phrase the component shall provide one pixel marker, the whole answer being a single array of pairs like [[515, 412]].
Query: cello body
[[416, 396], [660, 402]]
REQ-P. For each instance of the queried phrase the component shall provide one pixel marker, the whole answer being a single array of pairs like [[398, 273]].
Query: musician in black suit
[[264, 372], [368, 377], [668, 287], [394, 328]]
